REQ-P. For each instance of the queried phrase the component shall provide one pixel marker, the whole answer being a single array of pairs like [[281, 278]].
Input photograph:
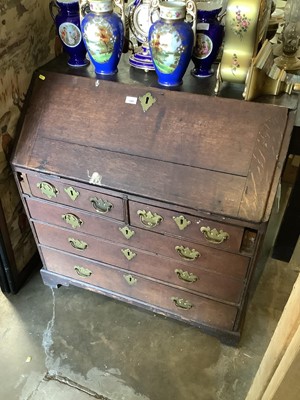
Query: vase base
[[104, 73], [170, 85], [79, 64], [202, 74]]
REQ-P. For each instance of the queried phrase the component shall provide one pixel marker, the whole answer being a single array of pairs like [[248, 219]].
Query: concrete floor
[[71, 344]]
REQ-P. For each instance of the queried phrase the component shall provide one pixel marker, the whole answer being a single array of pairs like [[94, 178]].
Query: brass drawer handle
[[72, 220], [48, 189], [187, 253], [127, 232], [130, 279], [81, 271], [100, 205], [128, 254], [78, 244], [181, 222], [213, 235], [149, 219], [186, 276], [181, 303]]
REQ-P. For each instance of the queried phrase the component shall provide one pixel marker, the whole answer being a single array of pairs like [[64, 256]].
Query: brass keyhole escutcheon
[[129, 254], [72, 220], [127, 232], [181, 222], [48, 189], [130, 279], [147, 101], [72, 193]]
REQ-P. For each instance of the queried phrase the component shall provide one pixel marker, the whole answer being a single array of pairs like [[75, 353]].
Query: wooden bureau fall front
[[158, 198]]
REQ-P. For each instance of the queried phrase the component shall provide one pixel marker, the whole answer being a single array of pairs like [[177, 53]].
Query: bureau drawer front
[[111, 279], [218, 286], [84, 198], [216, 234]]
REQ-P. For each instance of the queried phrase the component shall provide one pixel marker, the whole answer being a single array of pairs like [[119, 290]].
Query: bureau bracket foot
[[52, 280]]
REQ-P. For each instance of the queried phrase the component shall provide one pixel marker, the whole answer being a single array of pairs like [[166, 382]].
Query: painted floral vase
[[67, 21], [171, 40], [103, 34], [209, 37]]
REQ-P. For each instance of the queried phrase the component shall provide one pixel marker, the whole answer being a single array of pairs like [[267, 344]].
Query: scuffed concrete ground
[[82, 345]]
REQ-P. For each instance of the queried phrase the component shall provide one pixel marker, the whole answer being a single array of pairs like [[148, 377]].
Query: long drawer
[[176, 248], [188, 306], [87, 199], [148, 264]]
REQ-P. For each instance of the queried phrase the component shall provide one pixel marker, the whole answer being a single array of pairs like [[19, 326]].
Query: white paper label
[[203, 26], [131, 100]]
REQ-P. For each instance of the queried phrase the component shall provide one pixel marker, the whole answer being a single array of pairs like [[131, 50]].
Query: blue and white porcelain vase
[[209, 37], [67, 23], [171, 40], [103, 34]]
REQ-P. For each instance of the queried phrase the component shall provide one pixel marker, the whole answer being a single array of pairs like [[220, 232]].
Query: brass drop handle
[[48, 189], [72, 220], [186, 276], [187, 253], [100, 205], [213, 235], [181, 303], [81, 271], [78, 244], [149, 219]]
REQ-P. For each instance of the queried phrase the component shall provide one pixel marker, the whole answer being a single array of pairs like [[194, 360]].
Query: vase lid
[[172, 10], [101, 5]]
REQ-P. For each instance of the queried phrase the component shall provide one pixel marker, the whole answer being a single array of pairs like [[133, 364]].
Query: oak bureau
[[156, 197]]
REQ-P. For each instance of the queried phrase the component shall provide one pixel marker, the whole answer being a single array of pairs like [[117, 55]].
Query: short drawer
[[187, 306], [204, 231], [218, 286], [88, 199]]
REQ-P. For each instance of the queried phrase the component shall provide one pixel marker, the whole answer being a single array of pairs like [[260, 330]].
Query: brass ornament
[[186, 276], [213, 235], [147, 101], [128, 254], [72, 193], [81, 271], [72, 220], [48, 189], [181, 303], [149, 219], [187, 253], [100, 205], [127, 232], [181, 222]]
